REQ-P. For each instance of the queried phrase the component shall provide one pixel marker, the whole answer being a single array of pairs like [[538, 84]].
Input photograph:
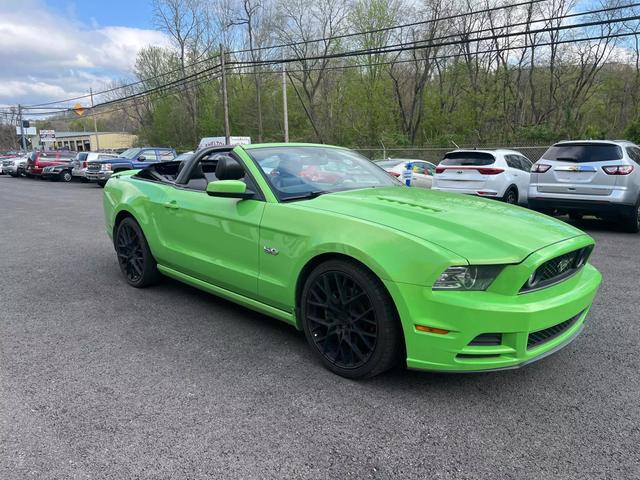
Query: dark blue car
[[101, 170]]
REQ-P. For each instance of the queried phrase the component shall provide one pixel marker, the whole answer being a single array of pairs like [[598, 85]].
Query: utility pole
[[95, 122], [22, 140], [284, 103], [225, 103]]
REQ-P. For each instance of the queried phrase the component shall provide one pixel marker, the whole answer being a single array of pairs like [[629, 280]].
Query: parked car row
[[64, 165], [578, 178], [591, 177]]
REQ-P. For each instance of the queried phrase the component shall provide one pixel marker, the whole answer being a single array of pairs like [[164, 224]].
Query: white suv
[[589, 177], [502, 174]]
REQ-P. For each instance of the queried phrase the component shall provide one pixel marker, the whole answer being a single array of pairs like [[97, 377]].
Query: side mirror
[[142, 158], [229, 189]]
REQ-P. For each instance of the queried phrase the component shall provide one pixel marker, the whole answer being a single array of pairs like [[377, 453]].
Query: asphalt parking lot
[[100, 380]]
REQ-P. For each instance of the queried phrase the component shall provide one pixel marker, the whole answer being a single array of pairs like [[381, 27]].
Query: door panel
[[211, 238]]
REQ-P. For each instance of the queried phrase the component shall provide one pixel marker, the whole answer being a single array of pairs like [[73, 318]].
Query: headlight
[[106, 166], [472, 277]]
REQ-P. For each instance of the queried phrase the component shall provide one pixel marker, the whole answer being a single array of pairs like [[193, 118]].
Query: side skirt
[[229, 295]]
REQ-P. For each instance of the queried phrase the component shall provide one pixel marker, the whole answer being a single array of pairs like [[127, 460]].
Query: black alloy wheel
[[65, 176], [349, 320], [134, 256]]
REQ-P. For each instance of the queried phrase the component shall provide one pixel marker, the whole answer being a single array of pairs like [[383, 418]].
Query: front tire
[[350, 320], [134, 256], [102, 183]]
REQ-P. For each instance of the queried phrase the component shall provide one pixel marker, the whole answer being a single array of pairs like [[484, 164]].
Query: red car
[[39, 159]]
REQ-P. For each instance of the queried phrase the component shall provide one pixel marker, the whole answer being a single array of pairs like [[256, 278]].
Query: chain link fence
[[434, 154]]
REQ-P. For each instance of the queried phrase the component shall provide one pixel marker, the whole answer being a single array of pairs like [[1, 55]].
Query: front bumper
[[518, 319], [95, 175], [10, 169]]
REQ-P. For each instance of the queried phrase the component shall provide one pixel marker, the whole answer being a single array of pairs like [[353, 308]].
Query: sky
[[57, 49]]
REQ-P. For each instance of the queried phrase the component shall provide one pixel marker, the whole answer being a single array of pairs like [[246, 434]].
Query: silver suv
[[591, 177]]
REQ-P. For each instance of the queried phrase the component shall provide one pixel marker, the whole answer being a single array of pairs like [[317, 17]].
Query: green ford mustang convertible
[[375, 273]]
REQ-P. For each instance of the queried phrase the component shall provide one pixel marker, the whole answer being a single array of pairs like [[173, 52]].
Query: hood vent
[[409, 204]]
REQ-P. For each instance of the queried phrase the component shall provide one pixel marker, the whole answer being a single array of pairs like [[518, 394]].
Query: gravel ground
[[100, 380]]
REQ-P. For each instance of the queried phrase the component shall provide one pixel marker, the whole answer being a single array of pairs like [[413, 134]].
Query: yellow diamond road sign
[[78, 109]]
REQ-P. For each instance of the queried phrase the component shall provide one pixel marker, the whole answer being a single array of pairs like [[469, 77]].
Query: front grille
[[487, 340], [543, 336], [557, 269], [94, 167], [6, 164]]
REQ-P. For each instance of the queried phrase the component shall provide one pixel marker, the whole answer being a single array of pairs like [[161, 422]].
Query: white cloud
[[45, 57]]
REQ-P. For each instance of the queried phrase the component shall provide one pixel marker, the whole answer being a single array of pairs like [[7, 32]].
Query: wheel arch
[[120, 216]]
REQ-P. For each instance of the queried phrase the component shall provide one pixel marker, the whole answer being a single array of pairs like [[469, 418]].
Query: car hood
[[478, 229]]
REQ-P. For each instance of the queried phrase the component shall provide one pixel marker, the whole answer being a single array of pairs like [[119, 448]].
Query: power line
[[285, 45], [409, 46], [385, 49]]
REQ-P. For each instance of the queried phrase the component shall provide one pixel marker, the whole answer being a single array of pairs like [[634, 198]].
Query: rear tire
[[65, 176], [349, 320], [511, 196], [631, 222], [134, 256]]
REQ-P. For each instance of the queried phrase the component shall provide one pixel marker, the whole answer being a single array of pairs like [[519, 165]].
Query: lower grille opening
[[479, 355], [487, 340], [543, 336]]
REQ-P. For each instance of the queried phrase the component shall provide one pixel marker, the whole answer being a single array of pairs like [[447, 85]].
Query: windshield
[[130, 153], [303, 172], [583, 152]]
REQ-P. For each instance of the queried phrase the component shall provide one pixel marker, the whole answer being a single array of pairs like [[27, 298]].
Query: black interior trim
[[186, 172]]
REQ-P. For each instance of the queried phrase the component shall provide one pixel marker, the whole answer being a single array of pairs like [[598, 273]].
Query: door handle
[[172, 205]]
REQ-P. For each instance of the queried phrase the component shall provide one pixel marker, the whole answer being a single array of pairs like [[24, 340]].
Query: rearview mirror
[[229, 189]]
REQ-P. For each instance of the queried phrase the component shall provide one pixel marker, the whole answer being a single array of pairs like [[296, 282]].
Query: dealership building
[[89, 141]]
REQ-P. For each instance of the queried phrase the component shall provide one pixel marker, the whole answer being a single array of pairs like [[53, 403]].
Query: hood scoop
[[409, 204]]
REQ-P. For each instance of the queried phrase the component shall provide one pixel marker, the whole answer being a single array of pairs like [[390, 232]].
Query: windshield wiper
[[306, 195]]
